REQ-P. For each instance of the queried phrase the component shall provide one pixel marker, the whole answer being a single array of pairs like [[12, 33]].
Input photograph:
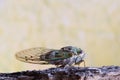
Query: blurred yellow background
[[92, 25]]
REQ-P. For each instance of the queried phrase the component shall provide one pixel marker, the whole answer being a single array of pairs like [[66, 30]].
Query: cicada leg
[[83, 63]]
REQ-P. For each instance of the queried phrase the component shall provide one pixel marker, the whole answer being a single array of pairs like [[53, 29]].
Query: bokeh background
[[93, 25]]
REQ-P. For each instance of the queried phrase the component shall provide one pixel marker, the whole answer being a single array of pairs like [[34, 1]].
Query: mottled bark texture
[[70, 73]]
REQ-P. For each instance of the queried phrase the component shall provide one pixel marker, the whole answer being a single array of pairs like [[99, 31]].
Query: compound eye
[[80, 52]]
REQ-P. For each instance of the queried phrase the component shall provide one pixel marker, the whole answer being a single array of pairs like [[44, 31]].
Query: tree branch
[[70, 73]]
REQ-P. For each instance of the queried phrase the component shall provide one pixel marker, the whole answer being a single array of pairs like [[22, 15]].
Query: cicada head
[[72, 49], [77, 57]]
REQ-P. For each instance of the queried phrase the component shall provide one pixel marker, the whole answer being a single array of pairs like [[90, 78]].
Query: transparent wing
[[32, 55]]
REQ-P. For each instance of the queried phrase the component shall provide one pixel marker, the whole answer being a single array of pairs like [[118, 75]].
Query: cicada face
[[77, 55], [74, 50]]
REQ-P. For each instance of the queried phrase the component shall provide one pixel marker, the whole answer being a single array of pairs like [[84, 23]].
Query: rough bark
[[70, 73]]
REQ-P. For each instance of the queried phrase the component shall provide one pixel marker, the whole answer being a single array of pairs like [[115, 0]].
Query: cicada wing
[[32, 55]]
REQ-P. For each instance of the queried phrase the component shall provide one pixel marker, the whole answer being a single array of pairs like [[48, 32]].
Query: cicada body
[[66, 55]]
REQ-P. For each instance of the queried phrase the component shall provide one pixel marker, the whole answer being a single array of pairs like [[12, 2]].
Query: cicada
[[65, 56]]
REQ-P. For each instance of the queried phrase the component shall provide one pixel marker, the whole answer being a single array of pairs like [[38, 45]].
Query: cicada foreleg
[[83, 63]]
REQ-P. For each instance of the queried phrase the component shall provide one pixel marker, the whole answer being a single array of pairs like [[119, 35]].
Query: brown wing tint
[[32, 55]]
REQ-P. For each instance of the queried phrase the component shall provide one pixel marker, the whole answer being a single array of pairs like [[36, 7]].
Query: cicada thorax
[[55, 57]]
